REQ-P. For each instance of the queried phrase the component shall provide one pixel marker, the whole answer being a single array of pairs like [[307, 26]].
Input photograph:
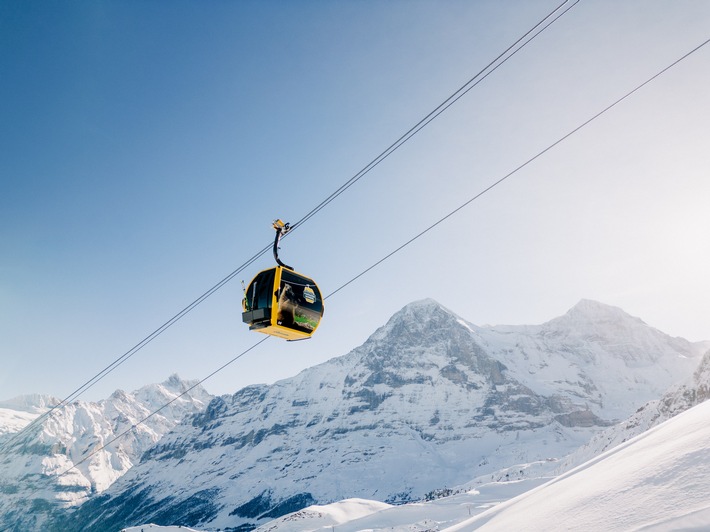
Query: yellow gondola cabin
[[281, 302]]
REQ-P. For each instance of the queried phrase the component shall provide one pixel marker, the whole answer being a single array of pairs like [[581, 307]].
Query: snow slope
[[677, 399], [412, 517], [328, 516], [659, 480]]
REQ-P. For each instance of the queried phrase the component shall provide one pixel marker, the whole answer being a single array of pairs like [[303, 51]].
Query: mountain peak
[[423, 308], [605, 331], [598, 318], [595, 311], [174, 382], [426, 303], [33, 402], [419, 318]]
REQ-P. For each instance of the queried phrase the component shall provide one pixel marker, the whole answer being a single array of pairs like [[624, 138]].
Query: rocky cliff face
[[428, 401], [40, 470]]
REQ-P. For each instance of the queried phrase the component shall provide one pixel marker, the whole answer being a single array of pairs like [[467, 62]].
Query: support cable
[[491, 67], [414, 238], [509, 52], [520, 167], [132, 351]]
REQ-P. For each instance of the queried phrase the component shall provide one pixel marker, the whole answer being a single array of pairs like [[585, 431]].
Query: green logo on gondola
[[309, 295]]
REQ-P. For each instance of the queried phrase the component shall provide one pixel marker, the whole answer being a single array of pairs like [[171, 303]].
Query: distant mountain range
[[428, 401], [32, 490], [17, 413]]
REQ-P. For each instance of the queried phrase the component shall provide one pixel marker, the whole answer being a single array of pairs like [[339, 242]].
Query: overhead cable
[[448, 102], [416, 237], [491, 67]]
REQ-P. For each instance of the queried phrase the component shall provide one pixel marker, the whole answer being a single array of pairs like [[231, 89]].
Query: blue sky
[[147, 146]]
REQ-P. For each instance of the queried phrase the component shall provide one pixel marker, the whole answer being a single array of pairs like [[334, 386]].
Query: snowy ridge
[[598, 354], [17, 413], [427, 388], [34, 403], [30, 465]]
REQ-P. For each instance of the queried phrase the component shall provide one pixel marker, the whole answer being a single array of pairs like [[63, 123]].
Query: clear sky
[[146, 147]]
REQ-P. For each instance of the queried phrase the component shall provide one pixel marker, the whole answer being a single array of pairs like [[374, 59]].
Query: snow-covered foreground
[[657, 481], [354, 515]]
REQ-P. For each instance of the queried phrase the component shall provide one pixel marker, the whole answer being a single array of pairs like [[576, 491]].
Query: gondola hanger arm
[[281, 229]]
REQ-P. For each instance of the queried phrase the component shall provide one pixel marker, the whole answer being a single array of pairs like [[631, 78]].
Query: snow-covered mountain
[[17, 413], [677, 471], [658, 481], [32, 464], [427, 401], [598, 354]]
